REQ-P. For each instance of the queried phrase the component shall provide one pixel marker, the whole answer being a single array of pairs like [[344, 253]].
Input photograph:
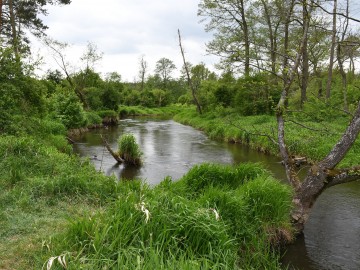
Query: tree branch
[[345, 143], [343, 176]]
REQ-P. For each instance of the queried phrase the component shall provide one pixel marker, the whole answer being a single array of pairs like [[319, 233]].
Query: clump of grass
[[129, 150], [147, 229], [200, 177]]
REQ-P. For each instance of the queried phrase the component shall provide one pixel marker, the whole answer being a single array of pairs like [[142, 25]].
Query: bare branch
[[332, 13], [343, 176]]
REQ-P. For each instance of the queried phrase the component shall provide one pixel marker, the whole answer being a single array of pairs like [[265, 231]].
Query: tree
[[189, 80], [332, 52], [19, 16], [91, 56], [322, 174], [164, 68], [142, 71], [230, 19]]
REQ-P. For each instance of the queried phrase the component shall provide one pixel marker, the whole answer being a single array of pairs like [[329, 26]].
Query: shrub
[[93, 118]]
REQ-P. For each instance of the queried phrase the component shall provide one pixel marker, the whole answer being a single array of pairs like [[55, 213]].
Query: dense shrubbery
[[69, 110]]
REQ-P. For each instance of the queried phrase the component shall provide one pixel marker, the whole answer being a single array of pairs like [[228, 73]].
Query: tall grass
[[229, 222], [129, 150]]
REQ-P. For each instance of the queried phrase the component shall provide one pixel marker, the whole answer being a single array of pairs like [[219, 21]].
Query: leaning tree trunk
[[323, 174], [190, 83]]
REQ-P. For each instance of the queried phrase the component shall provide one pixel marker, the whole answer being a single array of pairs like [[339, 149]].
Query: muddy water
[[331, 238]]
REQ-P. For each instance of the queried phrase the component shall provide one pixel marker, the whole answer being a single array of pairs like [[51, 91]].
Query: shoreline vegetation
[[56, 205]]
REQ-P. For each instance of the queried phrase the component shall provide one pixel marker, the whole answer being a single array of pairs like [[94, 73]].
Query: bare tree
[[58, 50], [91, 56], [142, 71], [190, 83]]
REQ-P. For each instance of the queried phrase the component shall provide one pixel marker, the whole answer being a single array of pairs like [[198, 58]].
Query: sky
[[126, 30]]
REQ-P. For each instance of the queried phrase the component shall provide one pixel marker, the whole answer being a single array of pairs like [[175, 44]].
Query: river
[[331, 238]]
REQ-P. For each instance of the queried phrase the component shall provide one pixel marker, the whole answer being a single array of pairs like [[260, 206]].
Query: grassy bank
[[313, 139], [168, 111], [42, 188], [214, 218], [55, 204]]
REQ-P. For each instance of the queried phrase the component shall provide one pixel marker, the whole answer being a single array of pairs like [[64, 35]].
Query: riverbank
[[309, 139], [56, 204]]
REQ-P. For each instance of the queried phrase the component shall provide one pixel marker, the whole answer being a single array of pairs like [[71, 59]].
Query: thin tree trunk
[[189, 78], [341, 60], [1, 14], [271, 37], [286, 46], [332, 53], [13, 29], [305, 60], [246, 39]]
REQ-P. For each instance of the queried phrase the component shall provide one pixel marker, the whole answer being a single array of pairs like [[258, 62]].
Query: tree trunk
[[246, 39], [1, 14], [193, 92], [305, 60], [13, 29], [112, 153], [286, 45], [340, 59], [332, 53], [272, 38], [323, 174]]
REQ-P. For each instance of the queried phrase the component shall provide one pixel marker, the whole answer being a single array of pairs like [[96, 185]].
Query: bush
[[93, 118], [68, 110], [256, 95]]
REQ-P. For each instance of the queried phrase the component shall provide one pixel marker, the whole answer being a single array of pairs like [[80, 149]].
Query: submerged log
[[115, 155]]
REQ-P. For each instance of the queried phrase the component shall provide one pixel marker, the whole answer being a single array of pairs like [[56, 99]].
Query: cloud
[[125, 30]]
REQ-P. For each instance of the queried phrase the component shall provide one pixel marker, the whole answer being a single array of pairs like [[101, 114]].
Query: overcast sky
[[124, 30]]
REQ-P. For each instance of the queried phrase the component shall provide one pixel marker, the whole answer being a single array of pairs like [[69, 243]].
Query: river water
[[331, 238]]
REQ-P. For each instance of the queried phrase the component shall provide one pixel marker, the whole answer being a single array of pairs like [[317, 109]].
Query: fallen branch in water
[[115, 155]]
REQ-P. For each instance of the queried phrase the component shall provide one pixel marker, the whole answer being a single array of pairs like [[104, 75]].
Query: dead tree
[[193, 92], [116, 156]]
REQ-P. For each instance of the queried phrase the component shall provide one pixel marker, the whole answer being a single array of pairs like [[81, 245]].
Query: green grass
[[168, 111], [42, 188], [234, 222], [313, 142], [129, 149]]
